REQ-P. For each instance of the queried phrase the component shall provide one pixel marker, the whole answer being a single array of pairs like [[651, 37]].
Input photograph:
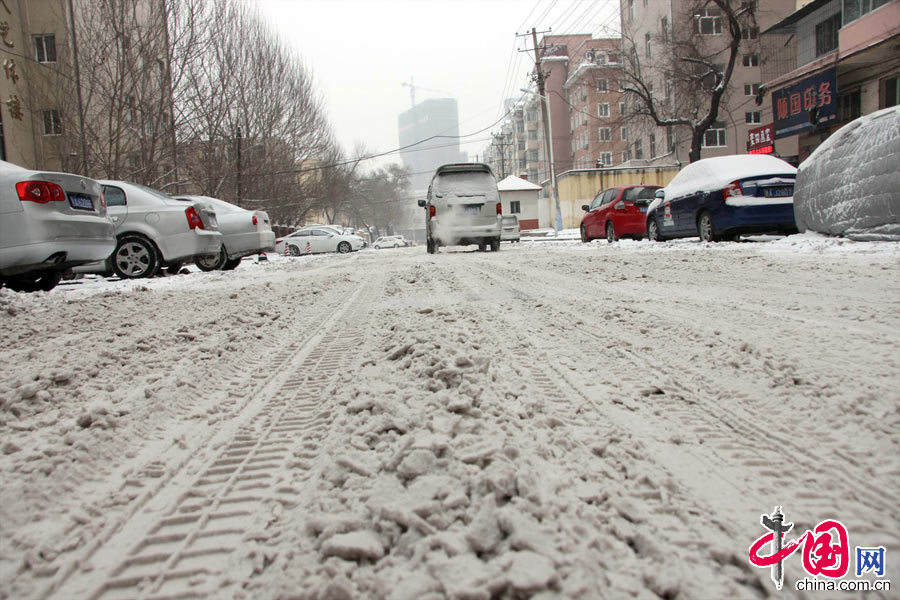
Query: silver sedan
[[49, 222], [244, 232]]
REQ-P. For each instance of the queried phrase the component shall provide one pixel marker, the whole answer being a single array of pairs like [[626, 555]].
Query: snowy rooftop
[[516, 184]]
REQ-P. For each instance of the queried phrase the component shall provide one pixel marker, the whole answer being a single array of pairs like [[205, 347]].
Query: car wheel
[[135, 257], [610, 232], [344, 247], [231, 264], [213, 262], [429, 245], [174, 268], [705, 228], [293, 251], [653, 231], [584, 237], [482, 247], [34, 281], [495, 245]]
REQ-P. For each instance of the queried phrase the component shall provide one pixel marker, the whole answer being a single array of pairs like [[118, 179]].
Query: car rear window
[[114, 196], [509, 220], [640, 193]]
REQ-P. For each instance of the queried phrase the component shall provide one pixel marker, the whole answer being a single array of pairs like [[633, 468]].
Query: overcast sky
[[360, 51]]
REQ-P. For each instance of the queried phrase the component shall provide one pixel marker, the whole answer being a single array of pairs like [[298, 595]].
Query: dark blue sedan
[[724, 197]]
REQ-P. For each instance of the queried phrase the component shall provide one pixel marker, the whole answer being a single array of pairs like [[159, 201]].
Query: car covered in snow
[[155, 231], [620, 211], [724, 197], [509, 231], [244, 232], [315, 240], [463, 207], [390, 241], [49, 222], [850, 184]]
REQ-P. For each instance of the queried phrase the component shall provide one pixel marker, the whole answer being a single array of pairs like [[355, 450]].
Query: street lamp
[[548, 137]]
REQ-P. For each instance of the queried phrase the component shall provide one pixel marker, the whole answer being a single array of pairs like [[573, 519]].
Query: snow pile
[[850, 185]]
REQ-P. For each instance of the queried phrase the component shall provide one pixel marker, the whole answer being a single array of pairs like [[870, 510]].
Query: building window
[[603, 110], [751, 89], [531, 116], [751, 60], [515, 206], [752, 117], [605, 134], [709, 21], [521, 145], [890, 90], [854, 9], [533, 155], [614, 57], [652, 145], [602, 85], [623, 109], [714, 137], [749, 33], [52, 122], [532, 135], [850, 106], [647, 44], [523, 163], [45, 48], [638, 149], [664, 27], [624, 134], [630, 9], [827, 34], [625, 156], [606, 159]]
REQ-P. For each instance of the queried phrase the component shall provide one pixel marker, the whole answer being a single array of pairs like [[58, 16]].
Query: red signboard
[[760, 137]]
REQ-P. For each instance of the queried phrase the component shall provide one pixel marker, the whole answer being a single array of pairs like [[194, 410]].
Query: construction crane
[[413, 87]]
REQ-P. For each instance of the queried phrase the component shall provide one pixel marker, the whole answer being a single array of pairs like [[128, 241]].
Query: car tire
[[653, 231], [429, 245], [42, 280], [584, 237], [212, 263], [344, 247], [231, 264], [482, 247], [174, 268], [610, 232], [135, 257], [705, 228], [495, 245], [293, 250]]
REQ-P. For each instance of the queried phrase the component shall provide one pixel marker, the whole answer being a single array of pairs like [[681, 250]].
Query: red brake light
[[499, 208], [40, 192], [255, 221], [431, 211], [733, 189], [194, 221], [102, 200]]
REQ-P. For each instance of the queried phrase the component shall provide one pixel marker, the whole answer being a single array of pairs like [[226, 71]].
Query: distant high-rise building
[[427, 119]]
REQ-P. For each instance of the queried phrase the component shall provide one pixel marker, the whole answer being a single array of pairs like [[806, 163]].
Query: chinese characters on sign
[[805, 105], [761, 138]]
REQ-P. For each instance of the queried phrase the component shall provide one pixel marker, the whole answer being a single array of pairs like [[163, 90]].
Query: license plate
[[470, 210], [81, 202], [778, 192], [643, 209]]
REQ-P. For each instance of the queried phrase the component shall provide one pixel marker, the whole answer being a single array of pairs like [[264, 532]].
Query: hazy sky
[[360, 51]]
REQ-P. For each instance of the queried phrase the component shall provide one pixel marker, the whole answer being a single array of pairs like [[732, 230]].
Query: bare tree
[[686, 80]]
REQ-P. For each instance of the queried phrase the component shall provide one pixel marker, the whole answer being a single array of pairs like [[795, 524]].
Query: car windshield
[[152, 192], [470, 183], [509, 220]]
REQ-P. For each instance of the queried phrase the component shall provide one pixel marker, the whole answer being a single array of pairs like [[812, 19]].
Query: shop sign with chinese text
[[806, 105]]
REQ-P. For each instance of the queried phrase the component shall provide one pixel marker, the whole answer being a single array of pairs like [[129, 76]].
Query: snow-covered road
[[556, 418]]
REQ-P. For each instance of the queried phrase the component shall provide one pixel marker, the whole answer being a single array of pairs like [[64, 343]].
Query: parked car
[[463, 207], [244, 232], [509, 229], [314, 240], [155, 231], [724, 197], [49, 222], [620, 211], [390, 241], [281, 243]]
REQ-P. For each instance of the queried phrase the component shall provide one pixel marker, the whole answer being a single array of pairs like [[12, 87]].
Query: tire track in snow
[[184, 553]]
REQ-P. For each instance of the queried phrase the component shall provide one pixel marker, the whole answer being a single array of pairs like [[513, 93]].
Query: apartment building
[[826, 64], [655, 34]]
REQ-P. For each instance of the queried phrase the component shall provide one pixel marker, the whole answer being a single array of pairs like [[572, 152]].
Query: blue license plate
[[81, 202], [643, 209], [778, 192], [471, 209]]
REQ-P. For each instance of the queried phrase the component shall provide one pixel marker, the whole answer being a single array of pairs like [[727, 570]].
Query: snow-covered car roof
[[715, 173]]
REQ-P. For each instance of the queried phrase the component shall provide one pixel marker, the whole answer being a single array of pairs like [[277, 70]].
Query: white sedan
[[244, 232], [391, 241], [49, 222], [314, 240]]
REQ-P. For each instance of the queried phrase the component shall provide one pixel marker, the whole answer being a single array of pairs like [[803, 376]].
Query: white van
[[463, 207]]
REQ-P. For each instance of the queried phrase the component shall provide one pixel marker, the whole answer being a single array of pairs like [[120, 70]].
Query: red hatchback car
[[620, 211]]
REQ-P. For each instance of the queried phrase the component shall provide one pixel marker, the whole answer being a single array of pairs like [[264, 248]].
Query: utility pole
[[502, 146], [548, 131], [84, 150], [239, 165]]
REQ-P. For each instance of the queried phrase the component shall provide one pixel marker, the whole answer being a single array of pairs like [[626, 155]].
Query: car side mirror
[[661, 194], [422, 203], [619, 205], [585, 208]]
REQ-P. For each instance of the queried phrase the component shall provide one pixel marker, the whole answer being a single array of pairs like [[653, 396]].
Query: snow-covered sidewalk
[[558, 418]]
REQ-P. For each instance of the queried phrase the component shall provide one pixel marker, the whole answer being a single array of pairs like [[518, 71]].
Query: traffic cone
[[308, 248], [287, 249]]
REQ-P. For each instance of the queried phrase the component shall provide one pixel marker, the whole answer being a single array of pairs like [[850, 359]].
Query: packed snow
[[554, 420]]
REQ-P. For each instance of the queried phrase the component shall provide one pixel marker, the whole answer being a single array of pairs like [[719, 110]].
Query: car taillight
[[40, 192], [194, 221], [431, 211], [102, 200], [733, 189], [255, 221], [499, 209]]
